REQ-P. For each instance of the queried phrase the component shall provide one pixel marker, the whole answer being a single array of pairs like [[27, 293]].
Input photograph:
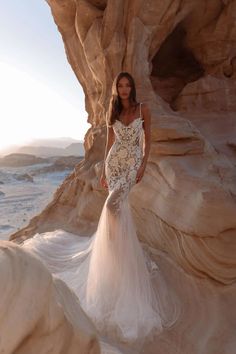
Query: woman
[[123, 107], [110, 272]]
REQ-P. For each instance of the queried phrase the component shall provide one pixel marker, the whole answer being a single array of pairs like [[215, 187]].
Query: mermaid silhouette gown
[[110, 272]]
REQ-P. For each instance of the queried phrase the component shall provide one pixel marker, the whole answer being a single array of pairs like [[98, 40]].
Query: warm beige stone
[[39, 314], [182, 56]]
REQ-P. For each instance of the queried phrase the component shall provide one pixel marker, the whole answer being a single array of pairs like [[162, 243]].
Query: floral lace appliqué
[[124, 158]]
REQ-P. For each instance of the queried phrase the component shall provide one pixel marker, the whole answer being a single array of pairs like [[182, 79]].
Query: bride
[[110, 272]]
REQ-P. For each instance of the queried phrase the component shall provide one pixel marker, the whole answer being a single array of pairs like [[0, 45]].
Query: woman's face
[[124, 88]]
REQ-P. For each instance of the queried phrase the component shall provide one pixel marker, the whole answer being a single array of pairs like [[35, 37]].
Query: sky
[[40, 96]]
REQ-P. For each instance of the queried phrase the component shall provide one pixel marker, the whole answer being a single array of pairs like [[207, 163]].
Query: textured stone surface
[[39, 314], [183, 58]]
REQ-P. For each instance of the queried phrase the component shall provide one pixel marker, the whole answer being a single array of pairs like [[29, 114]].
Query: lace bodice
[[128, 134], [124, 159]]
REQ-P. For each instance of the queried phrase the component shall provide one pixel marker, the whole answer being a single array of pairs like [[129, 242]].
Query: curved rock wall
[[33, 315]]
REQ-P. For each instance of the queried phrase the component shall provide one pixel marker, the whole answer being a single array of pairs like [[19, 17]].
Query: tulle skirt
[[110, 273]]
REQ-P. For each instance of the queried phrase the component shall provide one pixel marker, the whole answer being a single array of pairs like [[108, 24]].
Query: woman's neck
[[126, 104]]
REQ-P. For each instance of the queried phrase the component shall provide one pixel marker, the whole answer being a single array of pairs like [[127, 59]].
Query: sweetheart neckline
[[126, 126]]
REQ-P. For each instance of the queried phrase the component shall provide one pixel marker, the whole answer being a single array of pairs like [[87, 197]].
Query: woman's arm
[[109, 142], [147, 140], [147, 132]]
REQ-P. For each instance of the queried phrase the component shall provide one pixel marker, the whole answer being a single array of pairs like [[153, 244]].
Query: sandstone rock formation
[[183, 58], [34, 317]]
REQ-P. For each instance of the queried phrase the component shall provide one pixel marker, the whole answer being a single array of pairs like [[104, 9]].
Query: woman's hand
[[103, 181], [140, 172]]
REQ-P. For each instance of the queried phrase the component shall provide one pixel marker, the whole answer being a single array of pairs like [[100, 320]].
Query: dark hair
[[115, 104]]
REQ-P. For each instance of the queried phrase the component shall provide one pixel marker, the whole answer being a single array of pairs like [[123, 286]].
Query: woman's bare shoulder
[[144, 107]]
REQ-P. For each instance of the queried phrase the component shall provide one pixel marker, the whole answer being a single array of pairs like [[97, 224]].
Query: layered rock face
[[39, 314], [182, 56]]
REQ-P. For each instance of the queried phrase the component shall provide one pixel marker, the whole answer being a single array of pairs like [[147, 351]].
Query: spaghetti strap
[[140, 113]]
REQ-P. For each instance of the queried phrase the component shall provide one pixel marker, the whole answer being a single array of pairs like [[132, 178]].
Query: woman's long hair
[[115, 104]]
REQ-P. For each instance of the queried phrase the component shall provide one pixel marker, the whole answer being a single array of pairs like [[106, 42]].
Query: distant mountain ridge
[[47, 147], [75, 149], [56, 163], [17, 160]]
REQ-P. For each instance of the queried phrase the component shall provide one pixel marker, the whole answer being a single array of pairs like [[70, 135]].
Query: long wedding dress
[[110, 272]]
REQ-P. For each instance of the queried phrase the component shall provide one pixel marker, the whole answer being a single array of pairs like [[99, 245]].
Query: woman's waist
[[122, 150], [128, 143]]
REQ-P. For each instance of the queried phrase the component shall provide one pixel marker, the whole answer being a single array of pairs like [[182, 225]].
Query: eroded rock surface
[[39, 314]]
